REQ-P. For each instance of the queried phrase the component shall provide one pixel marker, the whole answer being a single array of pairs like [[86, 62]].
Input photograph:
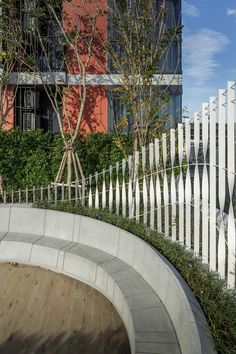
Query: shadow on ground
[[110, 343]]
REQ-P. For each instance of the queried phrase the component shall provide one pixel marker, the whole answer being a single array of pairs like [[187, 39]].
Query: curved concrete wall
[[50, 226]]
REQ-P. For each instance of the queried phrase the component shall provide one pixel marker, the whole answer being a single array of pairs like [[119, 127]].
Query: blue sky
[[209, 49]]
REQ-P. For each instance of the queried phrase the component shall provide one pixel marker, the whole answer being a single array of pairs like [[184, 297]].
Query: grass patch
[[217, 301]]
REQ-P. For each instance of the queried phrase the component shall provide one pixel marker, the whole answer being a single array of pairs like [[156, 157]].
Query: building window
[[33, 110]]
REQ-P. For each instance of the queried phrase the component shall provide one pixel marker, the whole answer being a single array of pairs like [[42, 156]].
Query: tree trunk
[[69, 165]]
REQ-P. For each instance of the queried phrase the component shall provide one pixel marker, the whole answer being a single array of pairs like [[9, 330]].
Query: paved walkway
[[45, 312]]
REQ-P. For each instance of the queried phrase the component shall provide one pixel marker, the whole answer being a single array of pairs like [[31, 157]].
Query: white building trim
[[62, 78]]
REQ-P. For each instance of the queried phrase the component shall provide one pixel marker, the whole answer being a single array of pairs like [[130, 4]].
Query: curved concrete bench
[[152, 299]]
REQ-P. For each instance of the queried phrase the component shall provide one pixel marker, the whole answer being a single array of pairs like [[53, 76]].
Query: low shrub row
[[33, 158], [217, 301]]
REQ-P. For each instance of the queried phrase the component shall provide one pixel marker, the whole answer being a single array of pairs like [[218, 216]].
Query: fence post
[[136, 186], [117, 189], [96, 192], [69, 191], [151, 187], [130, 188], [62, 192], [165, 186], [231, 110], [90, 198], [173, 186], [34, 194], [212, 186], [181, 184], [196, 187], [205, 188], [222, 189], [49, 193], [27, 195], [76, 190], [55, 194], [103, 189], [123, 194], [145, 197], [110, 190], [188, 188], [158, 186], [83, 192], [41, 193]]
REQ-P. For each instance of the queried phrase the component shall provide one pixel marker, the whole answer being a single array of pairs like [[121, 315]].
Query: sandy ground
[[45, 312]]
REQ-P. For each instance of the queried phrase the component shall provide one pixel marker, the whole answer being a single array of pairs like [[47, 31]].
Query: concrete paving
[[45, 312], [158, 309]]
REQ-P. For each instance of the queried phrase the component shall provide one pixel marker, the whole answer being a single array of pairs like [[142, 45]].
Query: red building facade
[[95, 111], [28, 102]]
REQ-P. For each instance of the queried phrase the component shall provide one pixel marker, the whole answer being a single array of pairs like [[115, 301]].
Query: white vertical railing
[[104, 199], [110, 190], [196, 188], [212, 175], [136, 186], [165, 186], [182, 184], [173, 185], [151, 187], [205, 187], [145, 192], [96, 192], [117, 189], [90, 198], [123, 193], [188, 188], [130, 189], [221, 186], [158, 187], [231, 178]]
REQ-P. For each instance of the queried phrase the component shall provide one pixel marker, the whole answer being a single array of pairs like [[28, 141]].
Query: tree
[[10, 54], [143, 33], [76, 27], [137, 48], [10, 37]]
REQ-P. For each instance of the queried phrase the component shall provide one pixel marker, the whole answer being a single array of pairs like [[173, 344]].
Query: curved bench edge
[[187, 317]]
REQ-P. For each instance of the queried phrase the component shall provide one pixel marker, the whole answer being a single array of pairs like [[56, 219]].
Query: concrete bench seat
[[150, 318], [156, 306]]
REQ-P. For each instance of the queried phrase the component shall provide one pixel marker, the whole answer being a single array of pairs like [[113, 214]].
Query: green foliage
[[103, 149], [216, 300], [24, 158], [143, 35], [33, 158]]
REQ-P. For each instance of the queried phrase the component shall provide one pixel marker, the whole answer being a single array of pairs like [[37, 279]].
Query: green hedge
[[33, 158], [217, 301]]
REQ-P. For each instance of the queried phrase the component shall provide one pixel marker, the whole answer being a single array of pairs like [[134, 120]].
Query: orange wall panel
[[8, 109], [77, 12], [95, 113]]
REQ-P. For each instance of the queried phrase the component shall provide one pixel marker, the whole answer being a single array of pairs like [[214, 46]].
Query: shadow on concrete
[[110, 342]]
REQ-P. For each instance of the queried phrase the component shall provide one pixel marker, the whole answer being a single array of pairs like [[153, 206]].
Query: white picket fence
[[183, 185]]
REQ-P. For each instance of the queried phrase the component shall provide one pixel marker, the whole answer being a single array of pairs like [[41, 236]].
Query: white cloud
[[200, 50], [190, 10], [194, 96], [231, 12]]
